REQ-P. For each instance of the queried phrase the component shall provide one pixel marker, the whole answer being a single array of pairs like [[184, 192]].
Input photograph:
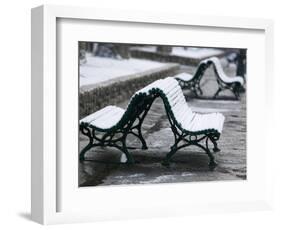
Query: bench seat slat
[[97, 114], [109, 121], [203, 122], [105, 118]]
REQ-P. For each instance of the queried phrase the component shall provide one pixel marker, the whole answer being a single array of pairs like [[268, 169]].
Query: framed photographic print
[[140, 114]]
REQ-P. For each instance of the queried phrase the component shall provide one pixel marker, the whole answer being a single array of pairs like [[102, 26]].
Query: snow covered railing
[[189, 128], [235, 84], [192, 82]]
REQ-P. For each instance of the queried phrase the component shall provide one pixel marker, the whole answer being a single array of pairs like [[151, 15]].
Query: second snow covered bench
[[192, 82]]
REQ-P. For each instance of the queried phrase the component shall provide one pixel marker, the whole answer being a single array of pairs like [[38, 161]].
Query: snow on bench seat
[[105, 118], [201, 122]]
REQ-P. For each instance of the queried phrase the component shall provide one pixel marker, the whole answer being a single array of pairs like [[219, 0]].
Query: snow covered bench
[[189, 128], [111, 125], [192, 82], [235, 84]]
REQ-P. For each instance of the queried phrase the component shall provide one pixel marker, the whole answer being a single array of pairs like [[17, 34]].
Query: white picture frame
[[45, 167]]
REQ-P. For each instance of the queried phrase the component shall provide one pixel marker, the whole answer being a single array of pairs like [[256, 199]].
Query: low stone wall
[[96, 96], [156, 56]]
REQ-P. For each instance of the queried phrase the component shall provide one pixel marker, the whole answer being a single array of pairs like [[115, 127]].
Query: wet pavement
[[190, 163]]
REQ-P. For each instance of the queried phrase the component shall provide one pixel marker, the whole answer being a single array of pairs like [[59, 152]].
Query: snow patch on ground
[[165, 178], [99, 69], [208, 110], [160, 179], [187, 174], [131, 176], [198, 53]]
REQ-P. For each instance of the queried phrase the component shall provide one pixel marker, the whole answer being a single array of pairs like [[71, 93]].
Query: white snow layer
[[99, 69], [197, 53]]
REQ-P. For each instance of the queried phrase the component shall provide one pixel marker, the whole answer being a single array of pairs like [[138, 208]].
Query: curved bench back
[[201, 68], [169, 90], [221, 74], [138, 104], [176, 106]]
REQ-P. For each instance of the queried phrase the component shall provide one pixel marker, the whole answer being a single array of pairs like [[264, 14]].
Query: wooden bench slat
[[97, 114], [108, 120], [203, 122]]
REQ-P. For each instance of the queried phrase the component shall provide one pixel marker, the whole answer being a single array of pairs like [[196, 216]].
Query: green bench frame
[[116, 136], [184, 138], [194, 83]]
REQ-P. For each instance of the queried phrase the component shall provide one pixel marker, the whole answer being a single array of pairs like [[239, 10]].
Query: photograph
[[151, 114]]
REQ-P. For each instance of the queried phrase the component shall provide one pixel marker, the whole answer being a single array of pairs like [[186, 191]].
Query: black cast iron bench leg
[[175, 148], [130, 158]]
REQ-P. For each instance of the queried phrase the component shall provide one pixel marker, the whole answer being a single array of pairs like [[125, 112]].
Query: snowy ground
[[99, 69], [197, 53], [190, 164]]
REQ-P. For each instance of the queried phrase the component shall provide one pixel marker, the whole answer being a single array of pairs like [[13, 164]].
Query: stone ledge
[[96, 96], [156, 56]]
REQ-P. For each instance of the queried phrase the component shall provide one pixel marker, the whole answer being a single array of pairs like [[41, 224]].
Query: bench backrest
[[176, 106], [138, 104], [201, 68], [171, 93], [220, 73]]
